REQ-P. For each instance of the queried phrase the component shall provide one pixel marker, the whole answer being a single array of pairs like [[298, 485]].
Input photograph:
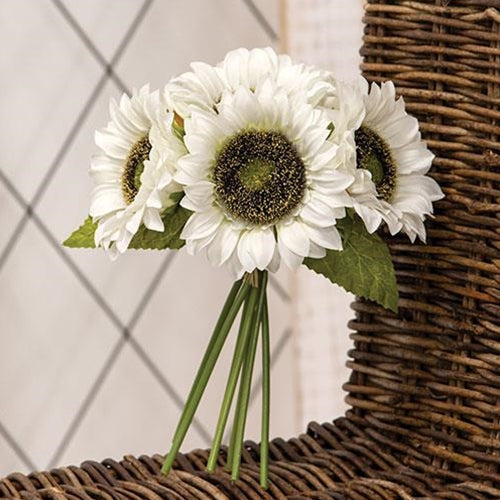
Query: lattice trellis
[[125, 330]]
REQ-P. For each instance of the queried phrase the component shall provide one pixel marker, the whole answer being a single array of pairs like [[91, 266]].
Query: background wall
[[96, 357], [326, 33]]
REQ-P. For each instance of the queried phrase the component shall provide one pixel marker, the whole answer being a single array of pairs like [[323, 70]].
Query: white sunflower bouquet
[[260, 162]]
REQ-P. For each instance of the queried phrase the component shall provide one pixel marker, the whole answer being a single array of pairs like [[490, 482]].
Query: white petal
[[316, 251], [294, 237], [104, 169], [154, 200], [223, 245], [327, 237], [195, 246], [256, 248], [234, 66], [199, 196], [393, 221], [291, 259], [193, 168], [113, 145], [153, 221], [165, 179], [106, 198], [274, 264], [333, 200], [371, 217], [209, 79], [235, 266], [124, 125], [401, 132], [333, 180], [413, 159], [414, 226], [202, 224], [133, 222], [123, 242], [263, 244], [415, 193], [317, 212]]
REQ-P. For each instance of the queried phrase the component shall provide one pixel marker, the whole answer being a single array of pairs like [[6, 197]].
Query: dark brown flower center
[[374, 155], [259, 177], [134, 166]]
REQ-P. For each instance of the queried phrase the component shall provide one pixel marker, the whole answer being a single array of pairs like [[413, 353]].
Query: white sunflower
[[249, 68], [133, 174], [259, 180], [346, 111], [204, 86], [390, 162]]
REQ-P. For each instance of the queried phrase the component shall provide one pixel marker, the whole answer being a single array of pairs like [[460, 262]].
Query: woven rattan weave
[[425, 384]]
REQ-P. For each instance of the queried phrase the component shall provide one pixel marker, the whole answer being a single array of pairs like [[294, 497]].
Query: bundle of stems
[[249, 295]]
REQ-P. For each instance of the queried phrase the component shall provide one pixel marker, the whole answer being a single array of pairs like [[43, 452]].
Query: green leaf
[[173, 218], [83, 237], [176, 198], [364, 267]]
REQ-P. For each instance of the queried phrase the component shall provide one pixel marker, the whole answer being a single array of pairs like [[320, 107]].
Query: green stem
[[266, 397], [233, 303], [239, 408], [237, 411], [232, 437], [246, 381], [238, 356]]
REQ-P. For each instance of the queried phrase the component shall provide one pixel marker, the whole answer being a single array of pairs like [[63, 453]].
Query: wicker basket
[[425, 384]]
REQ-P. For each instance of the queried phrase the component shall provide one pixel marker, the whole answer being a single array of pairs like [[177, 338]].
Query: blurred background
[[96, 357]]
